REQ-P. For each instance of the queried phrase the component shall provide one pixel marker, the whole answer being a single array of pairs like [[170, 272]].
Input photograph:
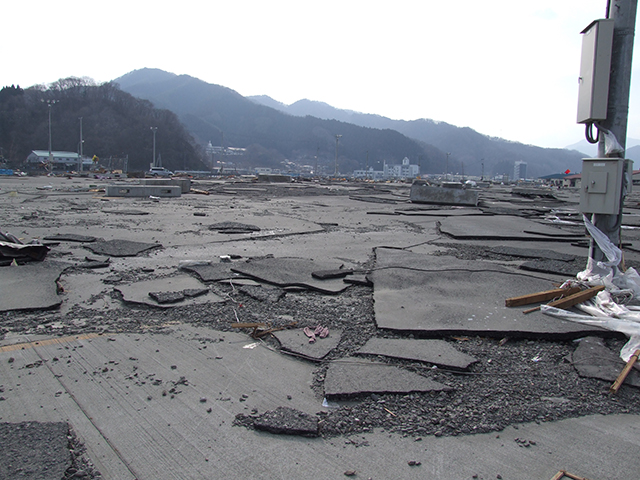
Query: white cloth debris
[[603, 311]]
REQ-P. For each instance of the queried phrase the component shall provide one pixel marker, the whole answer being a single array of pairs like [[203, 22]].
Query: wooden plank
[[577, 298], [625, 371], [540, 296]]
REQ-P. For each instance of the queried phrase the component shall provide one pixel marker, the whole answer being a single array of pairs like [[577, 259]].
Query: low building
[[404, 171], [61, 161]]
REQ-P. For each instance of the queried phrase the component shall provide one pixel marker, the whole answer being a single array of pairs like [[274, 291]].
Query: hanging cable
[[589, 132]]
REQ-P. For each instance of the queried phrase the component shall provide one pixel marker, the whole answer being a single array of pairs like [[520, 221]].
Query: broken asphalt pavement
[[154, 342]]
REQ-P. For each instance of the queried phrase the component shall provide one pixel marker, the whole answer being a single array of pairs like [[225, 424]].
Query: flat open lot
[[165, 333]]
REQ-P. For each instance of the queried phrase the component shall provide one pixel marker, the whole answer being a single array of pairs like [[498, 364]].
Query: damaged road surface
[[299, 334]]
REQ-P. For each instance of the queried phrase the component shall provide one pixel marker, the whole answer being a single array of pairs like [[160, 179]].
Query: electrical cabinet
[[595, 65], [601, 187]]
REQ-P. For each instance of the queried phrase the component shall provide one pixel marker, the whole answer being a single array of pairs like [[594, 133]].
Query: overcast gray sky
[[506, 68]]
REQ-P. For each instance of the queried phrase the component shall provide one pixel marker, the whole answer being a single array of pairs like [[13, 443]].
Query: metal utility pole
[[335, 172], [80, 147], [623, 13], [446, 172], [154, 129], [50, 104]]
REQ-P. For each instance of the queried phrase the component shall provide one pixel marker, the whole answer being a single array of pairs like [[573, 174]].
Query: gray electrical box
[[595, 65], [601, 188]]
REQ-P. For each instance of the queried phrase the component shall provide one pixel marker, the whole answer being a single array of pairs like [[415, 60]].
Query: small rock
[[350, 473]]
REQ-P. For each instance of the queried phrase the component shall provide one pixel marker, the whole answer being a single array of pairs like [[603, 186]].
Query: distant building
[[520, 171], [60, 160], [370, 174], [390, 172]]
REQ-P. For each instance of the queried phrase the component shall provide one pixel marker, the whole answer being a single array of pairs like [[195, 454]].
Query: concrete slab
[[594, 359], [121, 248], [157, 406], [440, 212], [437, 352], [183, 183], [297, 342], [34, 450], [127, 212], [262, 293], [212, 272], [389, 199], [556, 267], [30, 287], [150, 292], [285, 420], [423, 193], [291, 272], [143, 191], [439, 295], [505, 227], [233, 227], [70, 237], [355, 376], [531, 253]]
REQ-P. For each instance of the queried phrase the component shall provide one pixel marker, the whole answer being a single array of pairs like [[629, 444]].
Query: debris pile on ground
[[396, 318]]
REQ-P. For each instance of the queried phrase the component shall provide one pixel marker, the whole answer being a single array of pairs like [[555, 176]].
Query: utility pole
[[80, 147], [154, 129], [623, 13], [446, 172], [50, 103], [315, 170], [335, 173]]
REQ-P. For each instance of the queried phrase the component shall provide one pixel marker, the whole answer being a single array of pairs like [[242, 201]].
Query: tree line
[[114, 124]]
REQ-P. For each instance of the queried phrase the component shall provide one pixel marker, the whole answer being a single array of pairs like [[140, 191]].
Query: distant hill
[[469, 149], [114, 125], [220, 115]]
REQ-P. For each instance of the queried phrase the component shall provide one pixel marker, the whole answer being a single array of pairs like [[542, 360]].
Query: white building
[[390, 172], [520, 171]]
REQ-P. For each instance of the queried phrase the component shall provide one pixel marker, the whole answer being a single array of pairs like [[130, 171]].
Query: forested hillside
[[114, 124]]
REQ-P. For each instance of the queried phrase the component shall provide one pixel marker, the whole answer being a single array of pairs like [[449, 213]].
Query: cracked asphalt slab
[[190, 389]]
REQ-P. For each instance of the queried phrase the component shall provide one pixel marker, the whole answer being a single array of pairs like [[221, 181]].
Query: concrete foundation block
[[423, 193], [143, 191], [183, 183]]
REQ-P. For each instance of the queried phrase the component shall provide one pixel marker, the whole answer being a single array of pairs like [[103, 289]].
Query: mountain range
[[274, 132]]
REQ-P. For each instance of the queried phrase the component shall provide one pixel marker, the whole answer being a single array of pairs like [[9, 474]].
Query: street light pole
[[154, 129], [80, 152], [50, 104], [335, 173], [446, 172]]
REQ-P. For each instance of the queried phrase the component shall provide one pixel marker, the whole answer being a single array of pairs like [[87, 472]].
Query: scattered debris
[[296, 341], [563, 473]]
